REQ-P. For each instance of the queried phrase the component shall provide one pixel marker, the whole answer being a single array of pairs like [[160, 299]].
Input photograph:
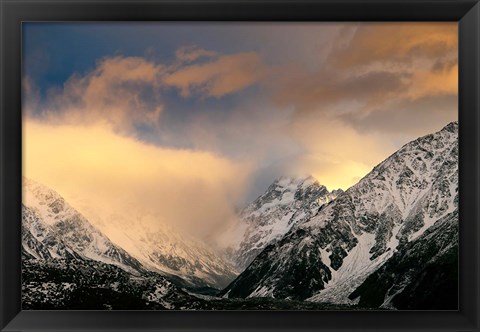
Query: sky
[[191, 121]]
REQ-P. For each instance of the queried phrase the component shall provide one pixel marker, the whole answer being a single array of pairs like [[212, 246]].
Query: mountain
[[286, 202], [69, 264], [127, 241], [57, 274], [329, 255], [54, 229], [161, 248]]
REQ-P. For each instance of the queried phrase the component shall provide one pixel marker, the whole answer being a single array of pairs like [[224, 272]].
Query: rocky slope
[[85, 284], [422, 274], [286, 202], [161, 248], [327, 256]]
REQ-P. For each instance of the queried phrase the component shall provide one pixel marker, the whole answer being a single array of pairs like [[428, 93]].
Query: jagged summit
[[295, 180], [451, 127], [298, 181], [448, 132], [287, 201]]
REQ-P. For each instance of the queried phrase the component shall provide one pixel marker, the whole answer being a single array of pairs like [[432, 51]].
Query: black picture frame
[[14, 12]]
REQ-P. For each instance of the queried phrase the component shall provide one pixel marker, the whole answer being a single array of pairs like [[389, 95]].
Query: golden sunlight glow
[[117, 173]]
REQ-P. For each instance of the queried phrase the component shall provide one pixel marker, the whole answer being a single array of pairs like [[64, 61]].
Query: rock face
[[286, 202], [327, 255]]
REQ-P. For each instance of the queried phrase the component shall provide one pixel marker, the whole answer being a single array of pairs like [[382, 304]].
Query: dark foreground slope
[[92, 285]]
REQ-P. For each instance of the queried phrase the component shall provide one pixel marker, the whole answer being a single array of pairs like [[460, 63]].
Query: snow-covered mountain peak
[[295, 182], [48, 203], [287, 201], [404, 180], [285, 191]]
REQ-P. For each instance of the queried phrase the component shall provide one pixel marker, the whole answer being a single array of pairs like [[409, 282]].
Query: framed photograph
[[240, 165]]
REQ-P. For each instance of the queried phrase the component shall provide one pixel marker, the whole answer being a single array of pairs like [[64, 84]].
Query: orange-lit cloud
[[127, 92], [434, 82], [221, 76], [376, 75], [337, 155], [307, 91], [394, 42], [114, 93], [193, 190]]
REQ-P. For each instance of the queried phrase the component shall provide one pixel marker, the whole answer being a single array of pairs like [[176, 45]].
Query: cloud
[[82, 141], [407, 118], [128, 92], [373, 72], [329, 149], [120, 91], [409, 60], [224, 75], [307, 91], [192, 190], [371, 97], [334, 152], [192, 53], [434, 82], [30, 94], [394, 42]]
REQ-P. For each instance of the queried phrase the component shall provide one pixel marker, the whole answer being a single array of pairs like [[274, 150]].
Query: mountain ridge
[[327, 256]]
